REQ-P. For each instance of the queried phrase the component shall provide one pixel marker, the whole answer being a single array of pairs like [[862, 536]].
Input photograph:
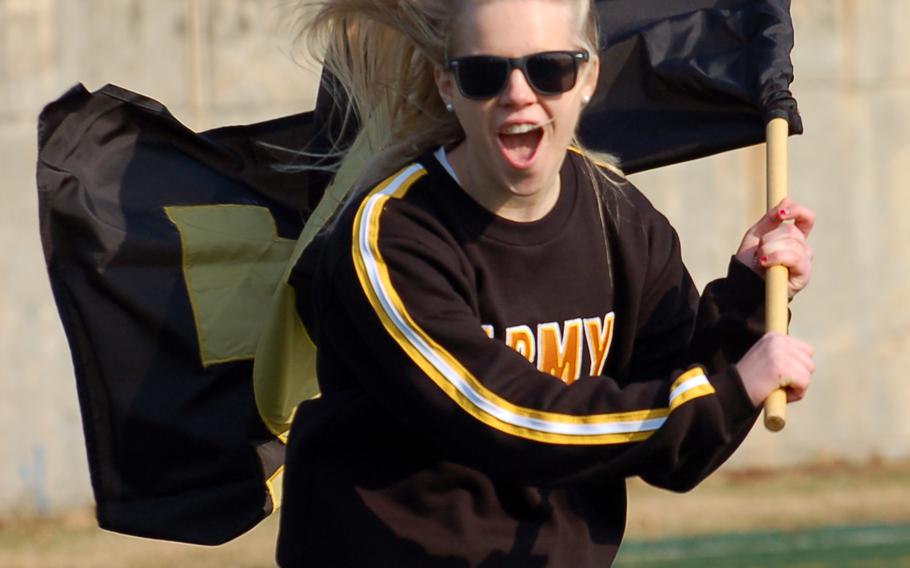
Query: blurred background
[[220, 62]]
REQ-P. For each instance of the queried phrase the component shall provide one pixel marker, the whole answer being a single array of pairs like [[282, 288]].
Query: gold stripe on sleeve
[[448, 373], [690, 385]]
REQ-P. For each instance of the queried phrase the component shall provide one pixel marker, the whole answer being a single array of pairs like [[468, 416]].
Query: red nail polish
[[763, 259], [783, 213]]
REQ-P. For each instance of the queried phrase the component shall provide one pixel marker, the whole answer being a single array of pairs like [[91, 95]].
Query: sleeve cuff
[[743, 289], [731, 392]]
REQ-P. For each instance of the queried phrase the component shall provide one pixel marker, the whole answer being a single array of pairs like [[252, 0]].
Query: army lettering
[[557, 348]]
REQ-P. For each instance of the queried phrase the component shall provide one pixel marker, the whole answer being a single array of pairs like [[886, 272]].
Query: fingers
[[788, 210], [786, 246], [800, 367], [777, 361], [794, 259], [794, 253], [772, 226], [794, 394], [769, 221], [795, 343]]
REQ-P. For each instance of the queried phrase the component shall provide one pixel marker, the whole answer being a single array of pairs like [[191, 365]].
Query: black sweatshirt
[[488, 385]]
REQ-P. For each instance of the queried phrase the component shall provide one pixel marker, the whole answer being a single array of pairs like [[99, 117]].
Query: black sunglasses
[[485, 76]]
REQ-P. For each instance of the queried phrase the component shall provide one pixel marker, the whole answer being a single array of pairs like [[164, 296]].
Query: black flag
[[157, 292], [683, 79], [164, 246]]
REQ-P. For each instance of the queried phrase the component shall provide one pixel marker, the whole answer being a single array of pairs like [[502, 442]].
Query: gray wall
[[226, 61]]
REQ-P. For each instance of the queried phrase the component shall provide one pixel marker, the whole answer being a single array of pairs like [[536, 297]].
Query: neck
[[522, 200]]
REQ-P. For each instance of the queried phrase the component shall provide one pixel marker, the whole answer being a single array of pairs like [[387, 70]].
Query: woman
[[506, 332]]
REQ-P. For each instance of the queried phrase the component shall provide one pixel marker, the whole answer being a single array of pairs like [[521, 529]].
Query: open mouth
[[520, 143]]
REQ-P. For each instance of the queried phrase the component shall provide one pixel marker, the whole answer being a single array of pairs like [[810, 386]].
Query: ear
[[445, 84], [590, 76]]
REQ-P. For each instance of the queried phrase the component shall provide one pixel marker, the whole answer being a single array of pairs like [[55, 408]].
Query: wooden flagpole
[[776, 311]]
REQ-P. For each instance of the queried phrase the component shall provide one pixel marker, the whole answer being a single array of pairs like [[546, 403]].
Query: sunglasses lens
[[482, 77], [552, 73], [548, 73]]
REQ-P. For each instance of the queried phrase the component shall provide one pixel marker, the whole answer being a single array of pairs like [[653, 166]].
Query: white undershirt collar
[[440, 155]]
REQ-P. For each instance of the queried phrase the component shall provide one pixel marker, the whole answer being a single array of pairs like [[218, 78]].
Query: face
[[518, 138]]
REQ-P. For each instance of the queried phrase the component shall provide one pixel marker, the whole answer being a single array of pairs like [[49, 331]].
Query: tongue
[[520, 148]]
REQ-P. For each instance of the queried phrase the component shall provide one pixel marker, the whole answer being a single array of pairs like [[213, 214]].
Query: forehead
[[515, 27]]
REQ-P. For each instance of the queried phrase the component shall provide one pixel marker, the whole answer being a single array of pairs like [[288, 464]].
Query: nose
[[518, 92]]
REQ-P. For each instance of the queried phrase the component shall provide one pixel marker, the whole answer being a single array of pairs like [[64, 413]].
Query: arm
[[675, 327], [729, 329], [729, 322], [478, 400]]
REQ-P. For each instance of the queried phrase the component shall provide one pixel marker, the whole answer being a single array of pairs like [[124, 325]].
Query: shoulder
[[397, 217], [390, 224], [627, 209], [406, 203]]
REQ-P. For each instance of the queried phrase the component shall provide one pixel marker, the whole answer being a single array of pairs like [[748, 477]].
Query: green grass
[[869, 546], [835, 515]]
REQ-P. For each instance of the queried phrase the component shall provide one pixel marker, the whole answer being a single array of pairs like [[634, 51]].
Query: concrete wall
[[217, 62]]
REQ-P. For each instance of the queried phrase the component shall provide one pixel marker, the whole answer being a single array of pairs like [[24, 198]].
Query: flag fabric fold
[[168, 250], [163, 248], [684, 79]]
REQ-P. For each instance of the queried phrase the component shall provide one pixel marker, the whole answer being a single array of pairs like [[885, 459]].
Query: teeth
[[519, 128]]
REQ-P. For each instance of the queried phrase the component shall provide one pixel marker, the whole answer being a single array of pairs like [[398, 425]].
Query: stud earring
[[450, 107], [586, 99]]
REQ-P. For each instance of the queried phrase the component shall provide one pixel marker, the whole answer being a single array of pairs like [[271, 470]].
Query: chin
[[528, 181]]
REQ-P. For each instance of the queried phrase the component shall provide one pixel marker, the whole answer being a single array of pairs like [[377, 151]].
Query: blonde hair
[[383, 54]]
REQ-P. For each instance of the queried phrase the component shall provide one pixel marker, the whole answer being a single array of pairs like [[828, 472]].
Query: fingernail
[[784, 212], [763, 259]]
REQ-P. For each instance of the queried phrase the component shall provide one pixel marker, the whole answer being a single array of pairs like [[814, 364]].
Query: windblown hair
[[383, 54]]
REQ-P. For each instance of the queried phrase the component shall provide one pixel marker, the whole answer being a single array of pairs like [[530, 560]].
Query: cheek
[[566, 121], [474, 121]]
